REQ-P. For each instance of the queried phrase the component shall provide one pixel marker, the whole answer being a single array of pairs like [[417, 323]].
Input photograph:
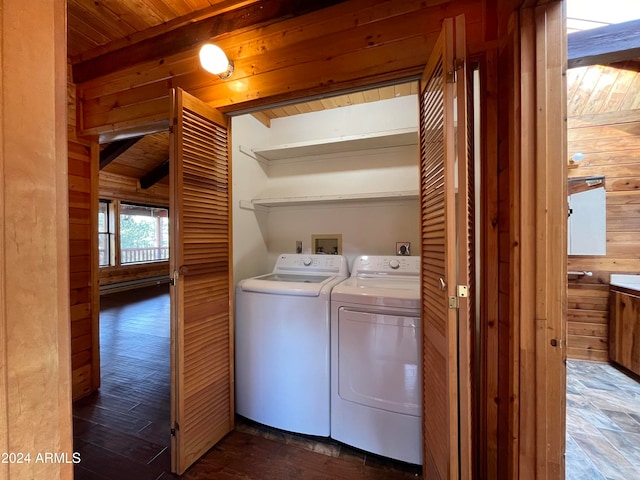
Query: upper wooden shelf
[[350, 143], [338, 198]]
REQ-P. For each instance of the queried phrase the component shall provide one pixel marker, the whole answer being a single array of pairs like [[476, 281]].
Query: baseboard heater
[[131, 284]]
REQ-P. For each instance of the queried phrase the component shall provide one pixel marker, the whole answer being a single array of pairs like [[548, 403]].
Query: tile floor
[[603, 423]]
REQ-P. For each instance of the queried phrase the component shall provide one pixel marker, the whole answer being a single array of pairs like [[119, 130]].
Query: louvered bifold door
[[438, 216], [202, 338], [465, 251]]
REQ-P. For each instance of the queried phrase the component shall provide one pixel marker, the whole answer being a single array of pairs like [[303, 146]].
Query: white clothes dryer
[[282, 343], [376, 375]]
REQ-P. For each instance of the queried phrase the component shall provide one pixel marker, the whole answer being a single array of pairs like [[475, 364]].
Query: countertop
[[630, 282]]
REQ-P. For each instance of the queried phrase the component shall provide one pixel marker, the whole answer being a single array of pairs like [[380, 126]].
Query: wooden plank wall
[[604, 124], [543, 192], [82, 260], [362, 44], [122, 188], [85, 277], [35, 353], [114, 275]]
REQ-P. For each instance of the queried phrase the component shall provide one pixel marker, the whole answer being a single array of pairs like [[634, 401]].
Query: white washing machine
[[376, 375], [282, 343]]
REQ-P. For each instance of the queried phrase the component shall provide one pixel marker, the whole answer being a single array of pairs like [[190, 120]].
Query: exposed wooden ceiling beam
[[190, 36], [631, 65], [155, 175], [604, 45], [263, 118], [115, 149]]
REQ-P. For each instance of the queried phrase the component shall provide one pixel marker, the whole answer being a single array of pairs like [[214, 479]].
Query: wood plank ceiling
[[98, 29], [102, 32]]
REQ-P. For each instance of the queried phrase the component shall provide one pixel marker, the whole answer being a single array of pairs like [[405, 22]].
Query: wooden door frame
[[487, 356], [537, 206], [539, 304], [548, 328]]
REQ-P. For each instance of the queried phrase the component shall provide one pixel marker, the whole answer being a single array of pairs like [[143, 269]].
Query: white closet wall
[[350, 171], [250, 228]]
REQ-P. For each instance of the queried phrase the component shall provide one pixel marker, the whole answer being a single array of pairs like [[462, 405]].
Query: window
[[130, 233], [144, 234], [105, 234]]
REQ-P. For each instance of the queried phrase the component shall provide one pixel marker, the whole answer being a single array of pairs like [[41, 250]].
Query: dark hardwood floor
[[122, 431]]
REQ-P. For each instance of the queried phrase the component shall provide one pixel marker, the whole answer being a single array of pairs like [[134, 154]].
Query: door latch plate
[[453, 302]]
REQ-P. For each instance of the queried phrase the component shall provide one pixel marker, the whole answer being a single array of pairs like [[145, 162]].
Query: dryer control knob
[[395, 264], [307, 261]]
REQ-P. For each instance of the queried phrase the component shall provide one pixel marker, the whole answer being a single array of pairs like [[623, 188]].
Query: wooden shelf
[[350, 143], [325, 199]]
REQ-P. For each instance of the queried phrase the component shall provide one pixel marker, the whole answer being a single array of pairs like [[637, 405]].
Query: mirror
[[587, 227], [330, 244]]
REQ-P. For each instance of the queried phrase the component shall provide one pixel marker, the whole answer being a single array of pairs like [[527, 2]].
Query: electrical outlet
[[403, 248]]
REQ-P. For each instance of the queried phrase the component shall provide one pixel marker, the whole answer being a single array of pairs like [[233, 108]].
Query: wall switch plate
[[403, 248]]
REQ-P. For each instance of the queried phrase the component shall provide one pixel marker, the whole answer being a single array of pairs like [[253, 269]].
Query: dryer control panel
[[385, 265]]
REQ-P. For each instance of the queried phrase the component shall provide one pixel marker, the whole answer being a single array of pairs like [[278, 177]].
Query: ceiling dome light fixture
[[214, 60]]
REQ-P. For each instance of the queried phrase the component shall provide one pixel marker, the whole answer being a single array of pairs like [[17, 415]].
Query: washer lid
[[288, 277], [287, 284]]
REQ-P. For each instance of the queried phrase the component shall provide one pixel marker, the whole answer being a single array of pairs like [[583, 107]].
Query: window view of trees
[[144, 234]]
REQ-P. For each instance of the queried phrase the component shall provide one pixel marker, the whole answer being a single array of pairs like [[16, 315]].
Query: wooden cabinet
[[624, 328]]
